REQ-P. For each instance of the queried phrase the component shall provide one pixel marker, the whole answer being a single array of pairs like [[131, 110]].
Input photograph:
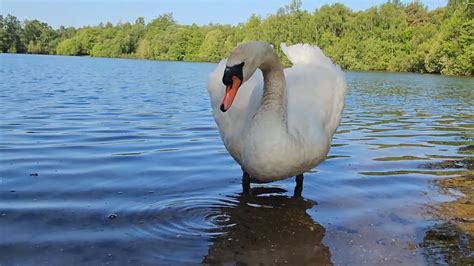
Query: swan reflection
[[268, 227]]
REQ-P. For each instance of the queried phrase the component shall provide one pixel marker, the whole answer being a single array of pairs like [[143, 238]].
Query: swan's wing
[[245, 105], [316, 92]]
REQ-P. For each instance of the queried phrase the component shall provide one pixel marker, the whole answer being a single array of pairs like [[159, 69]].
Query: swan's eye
[[235, 70]]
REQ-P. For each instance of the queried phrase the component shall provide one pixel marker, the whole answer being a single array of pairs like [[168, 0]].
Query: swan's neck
[[274, 100]]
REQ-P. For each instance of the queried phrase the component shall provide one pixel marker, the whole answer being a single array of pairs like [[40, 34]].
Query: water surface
[[120, 161]]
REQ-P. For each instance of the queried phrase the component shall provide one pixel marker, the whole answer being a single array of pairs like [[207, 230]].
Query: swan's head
[[240, 66]]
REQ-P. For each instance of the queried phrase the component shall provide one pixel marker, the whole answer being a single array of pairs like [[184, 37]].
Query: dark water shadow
[[268, 227], [446, 243], [451, 241]]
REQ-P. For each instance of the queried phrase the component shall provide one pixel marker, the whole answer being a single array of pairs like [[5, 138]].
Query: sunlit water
[[120, 161]]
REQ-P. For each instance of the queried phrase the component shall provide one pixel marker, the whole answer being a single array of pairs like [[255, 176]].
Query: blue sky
[[91, 12]]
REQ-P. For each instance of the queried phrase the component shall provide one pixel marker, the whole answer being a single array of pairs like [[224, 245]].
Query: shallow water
[[115, 161]]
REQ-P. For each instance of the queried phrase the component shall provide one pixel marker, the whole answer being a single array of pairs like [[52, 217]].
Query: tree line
[[389, 37]]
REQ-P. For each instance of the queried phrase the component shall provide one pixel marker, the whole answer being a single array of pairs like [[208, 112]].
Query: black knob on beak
[[227, 78], [236, 70]]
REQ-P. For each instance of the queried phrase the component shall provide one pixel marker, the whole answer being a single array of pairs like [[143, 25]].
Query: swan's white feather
[[316, 90]]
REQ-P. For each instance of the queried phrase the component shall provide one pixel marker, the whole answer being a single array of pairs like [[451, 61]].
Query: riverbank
[[285, 65]]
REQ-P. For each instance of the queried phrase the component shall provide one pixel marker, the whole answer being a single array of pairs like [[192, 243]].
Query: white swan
[[280, 125]]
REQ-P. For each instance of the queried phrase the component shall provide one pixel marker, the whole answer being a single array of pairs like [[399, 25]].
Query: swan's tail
[[305, 54], [324, 83]]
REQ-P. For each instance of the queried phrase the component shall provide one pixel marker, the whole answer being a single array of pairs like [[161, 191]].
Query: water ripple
[[107, 161]]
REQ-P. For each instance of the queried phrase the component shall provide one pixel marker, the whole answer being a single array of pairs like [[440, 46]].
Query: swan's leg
[[299, 186], [245, 182]]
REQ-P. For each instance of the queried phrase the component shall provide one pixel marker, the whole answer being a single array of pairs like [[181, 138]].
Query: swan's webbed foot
[[245, 182], [299, 186]]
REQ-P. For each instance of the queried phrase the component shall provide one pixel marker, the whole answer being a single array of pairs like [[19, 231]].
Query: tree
[[37, 36], [12, 35], [158, 25], [211, 48], [177, 50], [69, 47], [194, 42], [252, 29], [392, 36], [3, 35]]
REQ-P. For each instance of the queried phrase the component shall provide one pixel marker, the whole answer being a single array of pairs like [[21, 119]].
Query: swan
[[277, 123]]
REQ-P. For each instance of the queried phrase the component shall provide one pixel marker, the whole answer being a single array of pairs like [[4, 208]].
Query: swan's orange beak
[[230, 92]]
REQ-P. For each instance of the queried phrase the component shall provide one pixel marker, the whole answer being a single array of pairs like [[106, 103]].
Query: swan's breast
[[266, 152]]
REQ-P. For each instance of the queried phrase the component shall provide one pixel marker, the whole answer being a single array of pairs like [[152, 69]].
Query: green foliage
[[194, 41], [11, 35], [211, 48], [390, 37], [38, 37], [69, 47]]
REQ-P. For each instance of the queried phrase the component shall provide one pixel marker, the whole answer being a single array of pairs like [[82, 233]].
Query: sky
[[91, 12]]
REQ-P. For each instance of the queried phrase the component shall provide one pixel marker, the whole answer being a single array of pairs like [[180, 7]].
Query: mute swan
[[275, 122]]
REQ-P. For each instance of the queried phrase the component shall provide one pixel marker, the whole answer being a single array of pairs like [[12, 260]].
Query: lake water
[[119, 161]]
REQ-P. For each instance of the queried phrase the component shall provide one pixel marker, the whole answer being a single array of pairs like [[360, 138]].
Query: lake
[[115, 161]]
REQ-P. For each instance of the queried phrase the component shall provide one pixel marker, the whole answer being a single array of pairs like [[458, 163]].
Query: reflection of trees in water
[[268, 227]]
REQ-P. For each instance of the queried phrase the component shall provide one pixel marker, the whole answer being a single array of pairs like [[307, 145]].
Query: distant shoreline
[[393, 37], [206, 62]]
